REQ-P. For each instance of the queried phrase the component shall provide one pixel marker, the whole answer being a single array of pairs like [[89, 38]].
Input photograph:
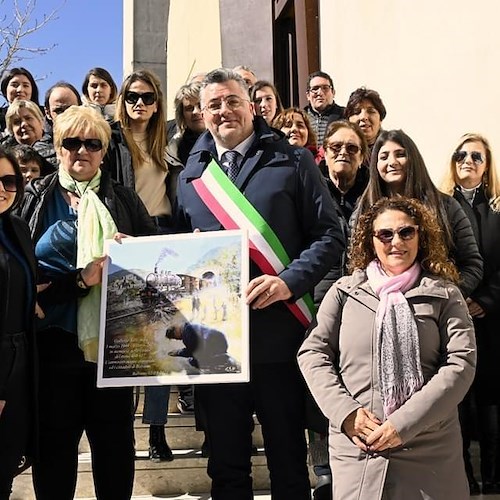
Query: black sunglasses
[[9, 183], [74, 144], [148, 98], [387, 235], [460, 156]]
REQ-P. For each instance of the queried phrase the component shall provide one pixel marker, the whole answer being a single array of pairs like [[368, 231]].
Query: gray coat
[[338, 360]]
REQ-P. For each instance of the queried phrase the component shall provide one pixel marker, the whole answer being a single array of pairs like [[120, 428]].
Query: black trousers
[[276, 394], [15, 420], [70, 403]]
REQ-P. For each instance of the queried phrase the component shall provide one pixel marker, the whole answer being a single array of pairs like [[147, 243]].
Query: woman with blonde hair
[[472, 179], [70, 213], [25, 124]]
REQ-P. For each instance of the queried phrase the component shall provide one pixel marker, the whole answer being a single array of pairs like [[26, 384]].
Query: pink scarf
[[398, 347]]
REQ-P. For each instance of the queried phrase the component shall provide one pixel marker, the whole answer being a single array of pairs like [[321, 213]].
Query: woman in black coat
[[473, 181], [17, 307], [70, 214], [398, 169]]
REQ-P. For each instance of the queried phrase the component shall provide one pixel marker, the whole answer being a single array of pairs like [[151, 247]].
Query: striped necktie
[[233, 167]]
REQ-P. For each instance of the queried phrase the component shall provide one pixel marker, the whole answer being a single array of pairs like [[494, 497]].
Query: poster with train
[[173, 311]]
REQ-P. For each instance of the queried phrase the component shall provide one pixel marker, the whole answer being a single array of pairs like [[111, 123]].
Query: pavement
[[259, 495]]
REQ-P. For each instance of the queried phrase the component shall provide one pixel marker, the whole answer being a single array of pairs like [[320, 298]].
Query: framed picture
[[173, 311]]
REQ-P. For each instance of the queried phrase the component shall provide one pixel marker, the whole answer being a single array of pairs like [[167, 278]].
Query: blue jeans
[[156, 405], [156, 402]]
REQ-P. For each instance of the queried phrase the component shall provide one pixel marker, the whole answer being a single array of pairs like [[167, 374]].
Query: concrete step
[[181, 433], [186, 473]]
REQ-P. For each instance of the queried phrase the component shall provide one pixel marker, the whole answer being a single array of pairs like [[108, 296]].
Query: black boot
[[323, 488], [474, 489], [159, 451], [465, 412], [489, 443]]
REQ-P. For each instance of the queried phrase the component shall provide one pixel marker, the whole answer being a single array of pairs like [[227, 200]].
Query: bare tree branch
[[16, 28]]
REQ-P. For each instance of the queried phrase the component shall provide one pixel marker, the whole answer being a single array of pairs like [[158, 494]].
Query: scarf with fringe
[[398, 348]]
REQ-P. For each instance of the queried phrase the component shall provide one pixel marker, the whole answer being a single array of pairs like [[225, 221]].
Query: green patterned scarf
[[95, 224]]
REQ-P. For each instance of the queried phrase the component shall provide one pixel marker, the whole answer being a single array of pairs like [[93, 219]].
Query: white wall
[[194, 44], [435, 63]]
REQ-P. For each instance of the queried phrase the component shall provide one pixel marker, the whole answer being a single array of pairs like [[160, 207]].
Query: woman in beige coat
[[391, 356]]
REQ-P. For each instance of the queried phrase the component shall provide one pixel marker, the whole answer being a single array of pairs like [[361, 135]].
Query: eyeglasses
[[475, 156], [317, 88], [232, 102], [336, 148], [387, 235], [148, 98], [9, 183], [74, 144]]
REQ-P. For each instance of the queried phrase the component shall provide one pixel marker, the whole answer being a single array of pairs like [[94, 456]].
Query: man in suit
[[284, 186]]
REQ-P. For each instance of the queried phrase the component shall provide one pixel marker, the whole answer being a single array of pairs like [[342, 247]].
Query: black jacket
[[17, 231], [346, 203], [486, 226], [124, 205], [465, 252], [118, 161]]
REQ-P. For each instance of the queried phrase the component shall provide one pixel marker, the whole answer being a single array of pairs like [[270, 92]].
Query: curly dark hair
[[432, 252]]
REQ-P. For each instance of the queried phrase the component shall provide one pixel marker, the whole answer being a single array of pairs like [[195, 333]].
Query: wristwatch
[[80, 281]]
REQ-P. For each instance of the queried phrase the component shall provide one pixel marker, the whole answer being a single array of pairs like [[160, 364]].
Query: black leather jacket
[[124, 205]]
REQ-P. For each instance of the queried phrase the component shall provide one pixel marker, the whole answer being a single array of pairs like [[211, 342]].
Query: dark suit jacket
[[285, 186]]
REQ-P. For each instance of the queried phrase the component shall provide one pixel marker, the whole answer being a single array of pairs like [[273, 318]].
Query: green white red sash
[[234, 211]]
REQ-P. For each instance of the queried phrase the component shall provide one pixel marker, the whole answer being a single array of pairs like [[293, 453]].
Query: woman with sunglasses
[[398, 169], [344, 148], [391, 356], [137, 159], [472, 179], [17, 299], [70, 213]]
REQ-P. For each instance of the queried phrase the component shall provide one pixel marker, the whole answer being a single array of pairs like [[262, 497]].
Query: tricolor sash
[[234, 211]]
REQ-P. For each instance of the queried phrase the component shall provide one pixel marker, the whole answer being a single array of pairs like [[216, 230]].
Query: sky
[[87, 33]]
